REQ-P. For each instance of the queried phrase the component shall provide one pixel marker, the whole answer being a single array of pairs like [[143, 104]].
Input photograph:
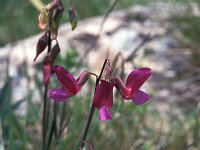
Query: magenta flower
[[69, 85], [103, 97], [130, 90]]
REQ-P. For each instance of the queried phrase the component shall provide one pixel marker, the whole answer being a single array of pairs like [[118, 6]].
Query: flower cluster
[[48, 20], [103, 96]]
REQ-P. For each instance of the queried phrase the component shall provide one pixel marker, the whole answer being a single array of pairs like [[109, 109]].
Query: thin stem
[[62, 119], [46, 102], [91, 73], [110, 9], [53, 126], [70, 2], [49, 41], [44, 118], [92, 109], [87, 127]]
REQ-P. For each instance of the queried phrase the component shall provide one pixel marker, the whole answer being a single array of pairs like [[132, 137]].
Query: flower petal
[[104, 113], [103, 94], [46, 74], [59, 95], [136, 78], [140, 97], [119, 84], [66, 79]]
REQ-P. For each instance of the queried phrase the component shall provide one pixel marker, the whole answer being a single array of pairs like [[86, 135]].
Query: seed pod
[[43, 18], [44, 14], [41, 45], [73, 17]]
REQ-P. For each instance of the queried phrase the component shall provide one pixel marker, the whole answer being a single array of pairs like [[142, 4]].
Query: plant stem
[[92, 109], [53, 126], [46, 102], [44, 118]]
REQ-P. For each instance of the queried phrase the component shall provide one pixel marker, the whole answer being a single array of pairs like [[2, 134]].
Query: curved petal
[[140, 97], [82, 79], [104, 113], [103, 94], [119, 84], [136, 78], [58, 95], [66, 79]]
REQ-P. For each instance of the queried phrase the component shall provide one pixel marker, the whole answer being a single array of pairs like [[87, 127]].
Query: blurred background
[[163, 35]]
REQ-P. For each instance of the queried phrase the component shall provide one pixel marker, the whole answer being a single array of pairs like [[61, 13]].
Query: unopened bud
[[82, 79], [41, 45]]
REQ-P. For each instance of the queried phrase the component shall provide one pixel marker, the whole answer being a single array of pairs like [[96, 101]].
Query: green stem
[[46, 102]]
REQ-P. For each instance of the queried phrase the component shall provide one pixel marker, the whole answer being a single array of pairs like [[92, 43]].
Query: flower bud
[[82, 79], [41, 45]]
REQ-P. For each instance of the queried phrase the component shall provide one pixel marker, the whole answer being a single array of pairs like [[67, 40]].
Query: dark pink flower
[[103, 99], [130, 90], [69, 85]]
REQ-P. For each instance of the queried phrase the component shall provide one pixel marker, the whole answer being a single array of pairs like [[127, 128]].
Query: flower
[[103, 97], [130, 91], [69, 85]]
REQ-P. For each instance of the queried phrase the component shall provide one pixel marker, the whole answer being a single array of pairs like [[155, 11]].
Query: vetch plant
[[70, 86], [48, 20], [103, 95]]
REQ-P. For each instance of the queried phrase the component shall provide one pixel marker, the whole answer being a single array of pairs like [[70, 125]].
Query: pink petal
[[136, 78], [46, 73], [104, 113], [59, 95], [140, 97], [82, 79], [66, 79], [119, 84], [103, 94]]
